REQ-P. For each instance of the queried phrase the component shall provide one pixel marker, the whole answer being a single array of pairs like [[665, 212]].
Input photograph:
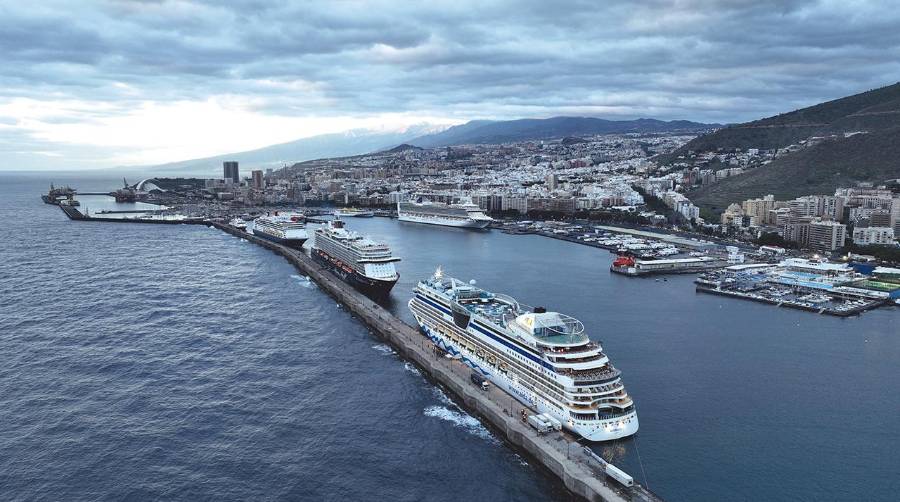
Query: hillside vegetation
[[839, 161], [873, 157], [872, 110]]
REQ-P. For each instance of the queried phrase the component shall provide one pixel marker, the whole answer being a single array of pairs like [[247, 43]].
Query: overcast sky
[[98, 84]]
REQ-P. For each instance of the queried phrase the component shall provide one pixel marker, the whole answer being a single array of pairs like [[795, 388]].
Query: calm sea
[[177, 362]]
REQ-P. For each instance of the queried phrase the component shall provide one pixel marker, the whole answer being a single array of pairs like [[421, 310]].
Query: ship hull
[[375, 288], [474, 224], [361, 214], [293, 243]]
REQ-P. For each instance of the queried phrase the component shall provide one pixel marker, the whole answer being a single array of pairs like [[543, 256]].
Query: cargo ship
[[544, 359], [359, 261], [462, 215], [284, 228]]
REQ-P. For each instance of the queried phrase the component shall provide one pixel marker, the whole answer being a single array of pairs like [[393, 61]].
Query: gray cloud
[[728, 60]]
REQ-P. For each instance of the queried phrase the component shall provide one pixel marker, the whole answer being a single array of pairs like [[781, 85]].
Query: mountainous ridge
[[493, 132], [870, 110], [862, 145], [820, 169], [344, 144], [361, 142]]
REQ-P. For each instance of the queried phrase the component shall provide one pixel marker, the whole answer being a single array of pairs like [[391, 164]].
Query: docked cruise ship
[[361, 262], [284, 228], [352, 212], [465, 215], [543, 358]]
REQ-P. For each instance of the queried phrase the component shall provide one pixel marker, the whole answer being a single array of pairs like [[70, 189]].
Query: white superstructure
[[544, 359], [465, 214]]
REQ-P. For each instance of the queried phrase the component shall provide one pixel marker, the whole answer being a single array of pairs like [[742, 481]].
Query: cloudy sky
[[106, 83]]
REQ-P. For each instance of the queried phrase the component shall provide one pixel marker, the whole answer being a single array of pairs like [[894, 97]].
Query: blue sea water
[[176, 362]]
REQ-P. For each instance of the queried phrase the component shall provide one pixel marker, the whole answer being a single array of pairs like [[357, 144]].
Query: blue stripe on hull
[[450, 349]]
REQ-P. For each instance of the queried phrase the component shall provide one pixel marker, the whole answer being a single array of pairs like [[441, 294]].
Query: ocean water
[[146, 362], [177, 362]]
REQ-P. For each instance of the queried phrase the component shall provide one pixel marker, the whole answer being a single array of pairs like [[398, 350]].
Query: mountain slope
[[316, 147], [475, 132], [816, 170], [871, 110], [841, 160]]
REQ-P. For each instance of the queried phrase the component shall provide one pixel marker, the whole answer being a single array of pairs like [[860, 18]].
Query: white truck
[[619, 475], [539, 424], [557, 425]]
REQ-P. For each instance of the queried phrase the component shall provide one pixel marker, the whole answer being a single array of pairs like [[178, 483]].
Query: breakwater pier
[[579, 470]]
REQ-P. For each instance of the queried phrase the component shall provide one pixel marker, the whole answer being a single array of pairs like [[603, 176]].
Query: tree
[[773, 239]]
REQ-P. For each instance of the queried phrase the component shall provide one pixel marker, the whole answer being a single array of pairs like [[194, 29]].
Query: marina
[[824, 288]]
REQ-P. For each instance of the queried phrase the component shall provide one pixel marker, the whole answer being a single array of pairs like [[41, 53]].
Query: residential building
[[865, 236], [759, 208], [826, 236]]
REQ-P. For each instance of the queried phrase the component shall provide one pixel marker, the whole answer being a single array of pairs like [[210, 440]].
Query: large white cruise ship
[[544, 359], [361, 262], [465, 214], [284, 228]]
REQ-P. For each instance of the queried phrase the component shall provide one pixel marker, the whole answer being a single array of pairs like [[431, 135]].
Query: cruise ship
[[543, 358], [359, 261], [284, 228], [465, 215], [352, 212]]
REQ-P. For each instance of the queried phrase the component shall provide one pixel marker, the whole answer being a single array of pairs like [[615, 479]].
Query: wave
[[410, 367], [384, 349], [438, 393], [462, 420], [303, 280]]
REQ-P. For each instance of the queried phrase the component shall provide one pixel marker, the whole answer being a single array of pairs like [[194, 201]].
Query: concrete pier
[[560, 453]]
